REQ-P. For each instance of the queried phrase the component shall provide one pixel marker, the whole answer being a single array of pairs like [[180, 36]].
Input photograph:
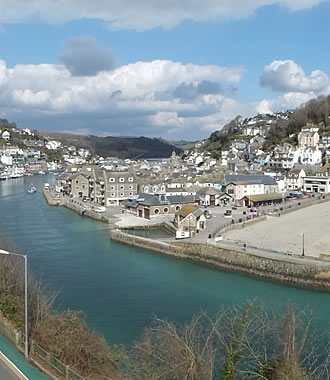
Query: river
[[119, 287]]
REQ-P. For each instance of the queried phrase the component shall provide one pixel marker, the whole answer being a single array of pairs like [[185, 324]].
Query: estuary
[[120, 288]]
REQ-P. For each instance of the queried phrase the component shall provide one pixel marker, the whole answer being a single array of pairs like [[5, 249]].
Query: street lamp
[[303, 244], [3, 252]]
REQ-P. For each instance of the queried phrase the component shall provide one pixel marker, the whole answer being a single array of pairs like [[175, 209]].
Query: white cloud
[[130, 99], [288, 76], [139, 15], [290, 100], [157, 98]]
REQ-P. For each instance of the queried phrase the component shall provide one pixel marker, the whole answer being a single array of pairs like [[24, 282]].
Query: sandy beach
[[287, 232]]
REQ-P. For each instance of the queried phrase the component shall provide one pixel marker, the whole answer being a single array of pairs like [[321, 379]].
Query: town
[[183, 188]]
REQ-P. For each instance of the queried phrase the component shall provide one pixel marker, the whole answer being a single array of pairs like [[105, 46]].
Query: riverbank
[[238, 257], [297, 271]]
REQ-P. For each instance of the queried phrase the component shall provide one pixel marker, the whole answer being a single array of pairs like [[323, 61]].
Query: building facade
[[119, 185]]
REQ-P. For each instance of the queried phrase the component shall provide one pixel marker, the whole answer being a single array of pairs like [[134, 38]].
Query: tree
[[239, 342]]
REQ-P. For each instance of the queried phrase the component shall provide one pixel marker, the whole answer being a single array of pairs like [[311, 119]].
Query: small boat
[[32, 189]]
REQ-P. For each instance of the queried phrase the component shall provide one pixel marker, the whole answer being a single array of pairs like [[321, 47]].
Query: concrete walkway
[[305, 230]]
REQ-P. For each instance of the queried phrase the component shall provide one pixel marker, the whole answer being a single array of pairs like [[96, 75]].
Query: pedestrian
[[244, 246]]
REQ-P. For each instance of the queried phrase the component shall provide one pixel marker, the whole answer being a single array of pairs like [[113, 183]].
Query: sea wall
[[50, 198], [306, 275]]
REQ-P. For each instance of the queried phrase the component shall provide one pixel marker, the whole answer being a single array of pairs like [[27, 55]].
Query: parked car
[[100, 209], [207, 214], [228, 214]]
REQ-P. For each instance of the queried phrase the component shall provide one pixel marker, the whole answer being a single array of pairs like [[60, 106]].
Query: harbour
[[120, 288]]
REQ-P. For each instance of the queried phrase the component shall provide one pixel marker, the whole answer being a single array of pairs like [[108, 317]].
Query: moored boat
[[32, 189]]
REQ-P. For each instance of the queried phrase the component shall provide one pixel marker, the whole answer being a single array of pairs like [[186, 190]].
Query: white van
[[100, 209]]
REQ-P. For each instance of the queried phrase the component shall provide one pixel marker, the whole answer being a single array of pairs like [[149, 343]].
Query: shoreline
[[304, 273]]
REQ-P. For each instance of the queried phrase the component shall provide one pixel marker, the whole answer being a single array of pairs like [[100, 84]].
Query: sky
[[176, 69]]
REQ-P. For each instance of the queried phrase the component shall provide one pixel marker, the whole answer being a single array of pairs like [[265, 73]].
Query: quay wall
[[156, 226], [70, 203], [306, 275]]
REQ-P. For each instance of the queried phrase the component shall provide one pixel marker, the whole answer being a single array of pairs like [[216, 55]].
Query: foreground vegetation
[[238, 343], [65, 334]]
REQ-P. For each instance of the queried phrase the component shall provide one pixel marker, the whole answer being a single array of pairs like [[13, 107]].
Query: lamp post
[[25, 298]]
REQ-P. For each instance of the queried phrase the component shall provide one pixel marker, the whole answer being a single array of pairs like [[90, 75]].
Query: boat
[[32, 190]]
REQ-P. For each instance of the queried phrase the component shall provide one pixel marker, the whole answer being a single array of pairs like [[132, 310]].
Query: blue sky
[[177, 69]]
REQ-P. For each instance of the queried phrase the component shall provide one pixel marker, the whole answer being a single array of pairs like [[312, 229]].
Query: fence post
[[32, 347], [17, 338], [67, 368]]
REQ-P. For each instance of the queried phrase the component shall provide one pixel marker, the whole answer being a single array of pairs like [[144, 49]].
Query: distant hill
[[122, 147], [181, 144]]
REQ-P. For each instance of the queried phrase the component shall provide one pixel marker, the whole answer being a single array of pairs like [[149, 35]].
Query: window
[[156, 211], [121, 194], [121, 179], [122, 187], [130, 193], [130, 187], [111, 179], [112, 188], [130, 179], [165, 210], [177, 208], [113, 194]]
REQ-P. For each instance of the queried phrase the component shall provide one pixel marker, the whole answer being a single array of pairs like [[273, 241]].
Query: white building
[[6, 135], [308, 137], [316, 184], [53, 145], [311, 156], [295, 179]]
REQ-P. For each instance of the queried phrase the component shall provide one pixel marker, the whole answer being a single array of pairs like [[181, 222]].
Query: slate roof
[[147, 199], [251, 179]]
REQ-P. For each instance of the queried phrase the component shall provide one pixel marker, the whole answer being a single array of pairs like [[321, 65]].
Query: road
[[6, 373]]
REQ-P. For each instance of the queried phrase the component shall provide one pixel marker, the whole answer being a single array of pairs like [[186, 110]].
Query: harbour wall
[[305, 275], [72, 205]]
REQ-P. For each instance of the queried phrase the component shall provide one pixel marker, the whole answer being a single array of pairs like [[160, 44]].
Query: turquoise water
[[118, 287]]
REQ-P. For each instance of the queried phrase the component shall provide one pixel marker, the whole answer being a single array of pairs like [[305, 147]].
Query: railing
[[281, 209], [45, 359]]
